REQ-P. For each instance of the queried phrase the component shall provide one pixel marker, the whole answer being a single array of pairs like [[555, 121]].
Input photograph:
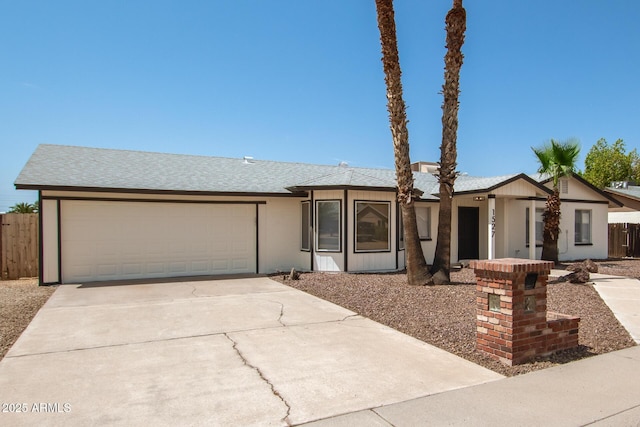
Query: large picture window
[[328, 229], [539, 226], [305, 242], [583, 227], [372, 227]]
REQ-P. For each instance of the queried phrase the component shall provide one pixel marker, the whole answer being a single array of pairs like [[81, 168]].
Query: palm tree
[[417, 269], [557, 160], [23, 207], [456, 24]]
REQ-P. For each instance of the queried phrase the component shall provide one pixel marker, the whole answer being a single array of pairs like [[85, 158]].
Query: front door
[[468, 233]]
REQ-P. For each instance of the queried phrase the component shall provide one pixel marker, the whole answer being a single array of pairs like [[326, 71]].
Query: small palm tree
[[557, 160], [23, 208]]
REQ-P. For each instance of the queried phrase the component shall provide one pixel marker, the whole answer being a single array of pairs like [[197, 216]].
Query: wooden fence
[[18, 246], [624, 240]]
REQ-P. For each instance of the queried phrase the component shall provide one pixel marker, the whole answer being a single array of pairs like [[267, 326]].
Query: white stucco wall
[[280, 232], [49, 212], [567, 248]]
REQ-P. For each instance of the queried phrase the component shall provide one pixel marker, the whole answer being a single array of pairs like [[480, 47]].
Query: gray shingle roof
[[58, 167], [631, 191], [465, 183]]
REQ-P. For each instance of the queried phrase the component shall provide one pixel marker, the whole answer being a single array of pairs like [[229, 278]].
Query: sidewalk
[[599, 391], [622, 295]]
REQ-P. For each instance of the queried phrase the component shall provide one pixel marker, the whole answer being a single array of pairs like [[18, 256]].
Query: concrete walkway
[[599, 391], [219, 352], [622, 295]]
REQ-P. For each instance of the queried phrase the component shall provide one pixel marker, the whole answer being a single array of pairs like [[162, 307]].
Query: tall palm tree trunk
[[551, 230], [456, 24], [417, 269]]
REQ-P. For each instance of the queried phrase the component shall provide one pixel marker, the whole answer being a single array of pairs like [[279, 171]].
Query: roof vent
[[247, 160], [621, 184], [343, 164]]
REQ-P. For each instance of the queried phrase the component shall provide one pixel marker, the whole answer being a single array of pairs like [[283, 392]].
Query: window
[[539, 226], [423, 218], [328, 225], [583, 227], [305, 242], [372, 227]]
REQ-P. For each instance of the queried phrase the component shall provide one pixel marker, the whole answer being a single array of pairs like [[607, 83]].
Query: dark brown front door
[[468, 233]]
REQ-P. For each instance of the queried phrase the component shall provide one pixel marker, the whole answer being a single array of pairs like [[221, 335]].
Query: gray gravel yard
[[20, 300], [444, 316]]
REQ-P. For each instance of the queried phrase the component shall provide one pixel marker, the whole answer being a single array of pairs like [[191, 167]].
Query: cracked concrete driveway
[[243, 351]]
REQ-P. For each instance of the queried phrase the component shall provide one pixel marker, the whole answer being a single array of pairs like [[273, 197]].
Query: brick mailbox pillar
[[513, 325]]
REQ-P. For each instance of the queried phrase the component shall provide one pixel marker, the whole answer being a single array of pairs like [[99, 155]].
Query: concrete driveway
[[246, 351]]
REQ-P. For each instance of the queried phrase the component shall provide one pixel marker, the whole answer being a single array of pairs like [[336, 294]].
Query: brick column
[[512, 324]]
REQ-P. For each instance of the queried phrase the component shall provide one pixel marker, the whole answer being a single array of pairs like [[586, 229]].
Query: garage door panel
[[155, 269], [132, 269], [107, 270], [113, 240]]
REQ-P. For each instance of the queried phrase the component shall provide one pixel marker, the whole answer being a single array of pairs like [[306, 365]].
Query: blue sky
[[301, 80]]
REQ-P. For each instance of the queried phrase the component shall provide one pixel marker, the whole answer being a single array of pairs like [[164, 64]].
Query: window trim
[[399, 228], [309, 228], [575, 224], [526, 228], [317, 228], [424, 238], [355, 227]]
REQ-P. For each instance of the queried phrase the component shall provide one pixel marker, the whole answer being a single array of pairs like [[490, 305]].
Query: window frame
[[424, 238], [318, 247], [526, 227], [355, 228], [576, 224], [305, 219]]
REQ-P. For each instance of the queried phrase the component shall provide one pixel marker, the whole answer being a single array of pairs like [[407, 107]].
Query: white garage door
[[129, 240]]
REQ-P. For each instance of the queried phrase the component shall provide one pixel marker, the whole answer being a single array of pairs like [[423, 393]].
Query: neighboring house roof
[[369, 210], [631, 191], [59, 167], [629, 197]]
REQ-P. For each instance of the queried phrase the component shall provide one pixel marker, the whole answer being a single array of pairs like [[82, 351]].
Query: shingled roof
[[63, 167]]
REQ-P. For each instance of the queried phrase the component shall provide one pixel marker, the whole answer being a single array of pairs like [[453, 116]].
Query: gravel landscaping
[[20, 300], [445, 315], [440, 315]]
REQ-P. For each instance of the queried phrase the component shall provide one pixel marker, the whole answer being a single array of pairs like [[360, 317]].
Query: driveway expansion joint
[[611, 416], [284, 419]]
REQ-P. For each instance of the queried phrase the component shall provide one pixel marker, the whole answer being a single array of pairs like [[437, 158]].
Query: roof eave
[[346, 187], [156, 191], [503, 183]]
